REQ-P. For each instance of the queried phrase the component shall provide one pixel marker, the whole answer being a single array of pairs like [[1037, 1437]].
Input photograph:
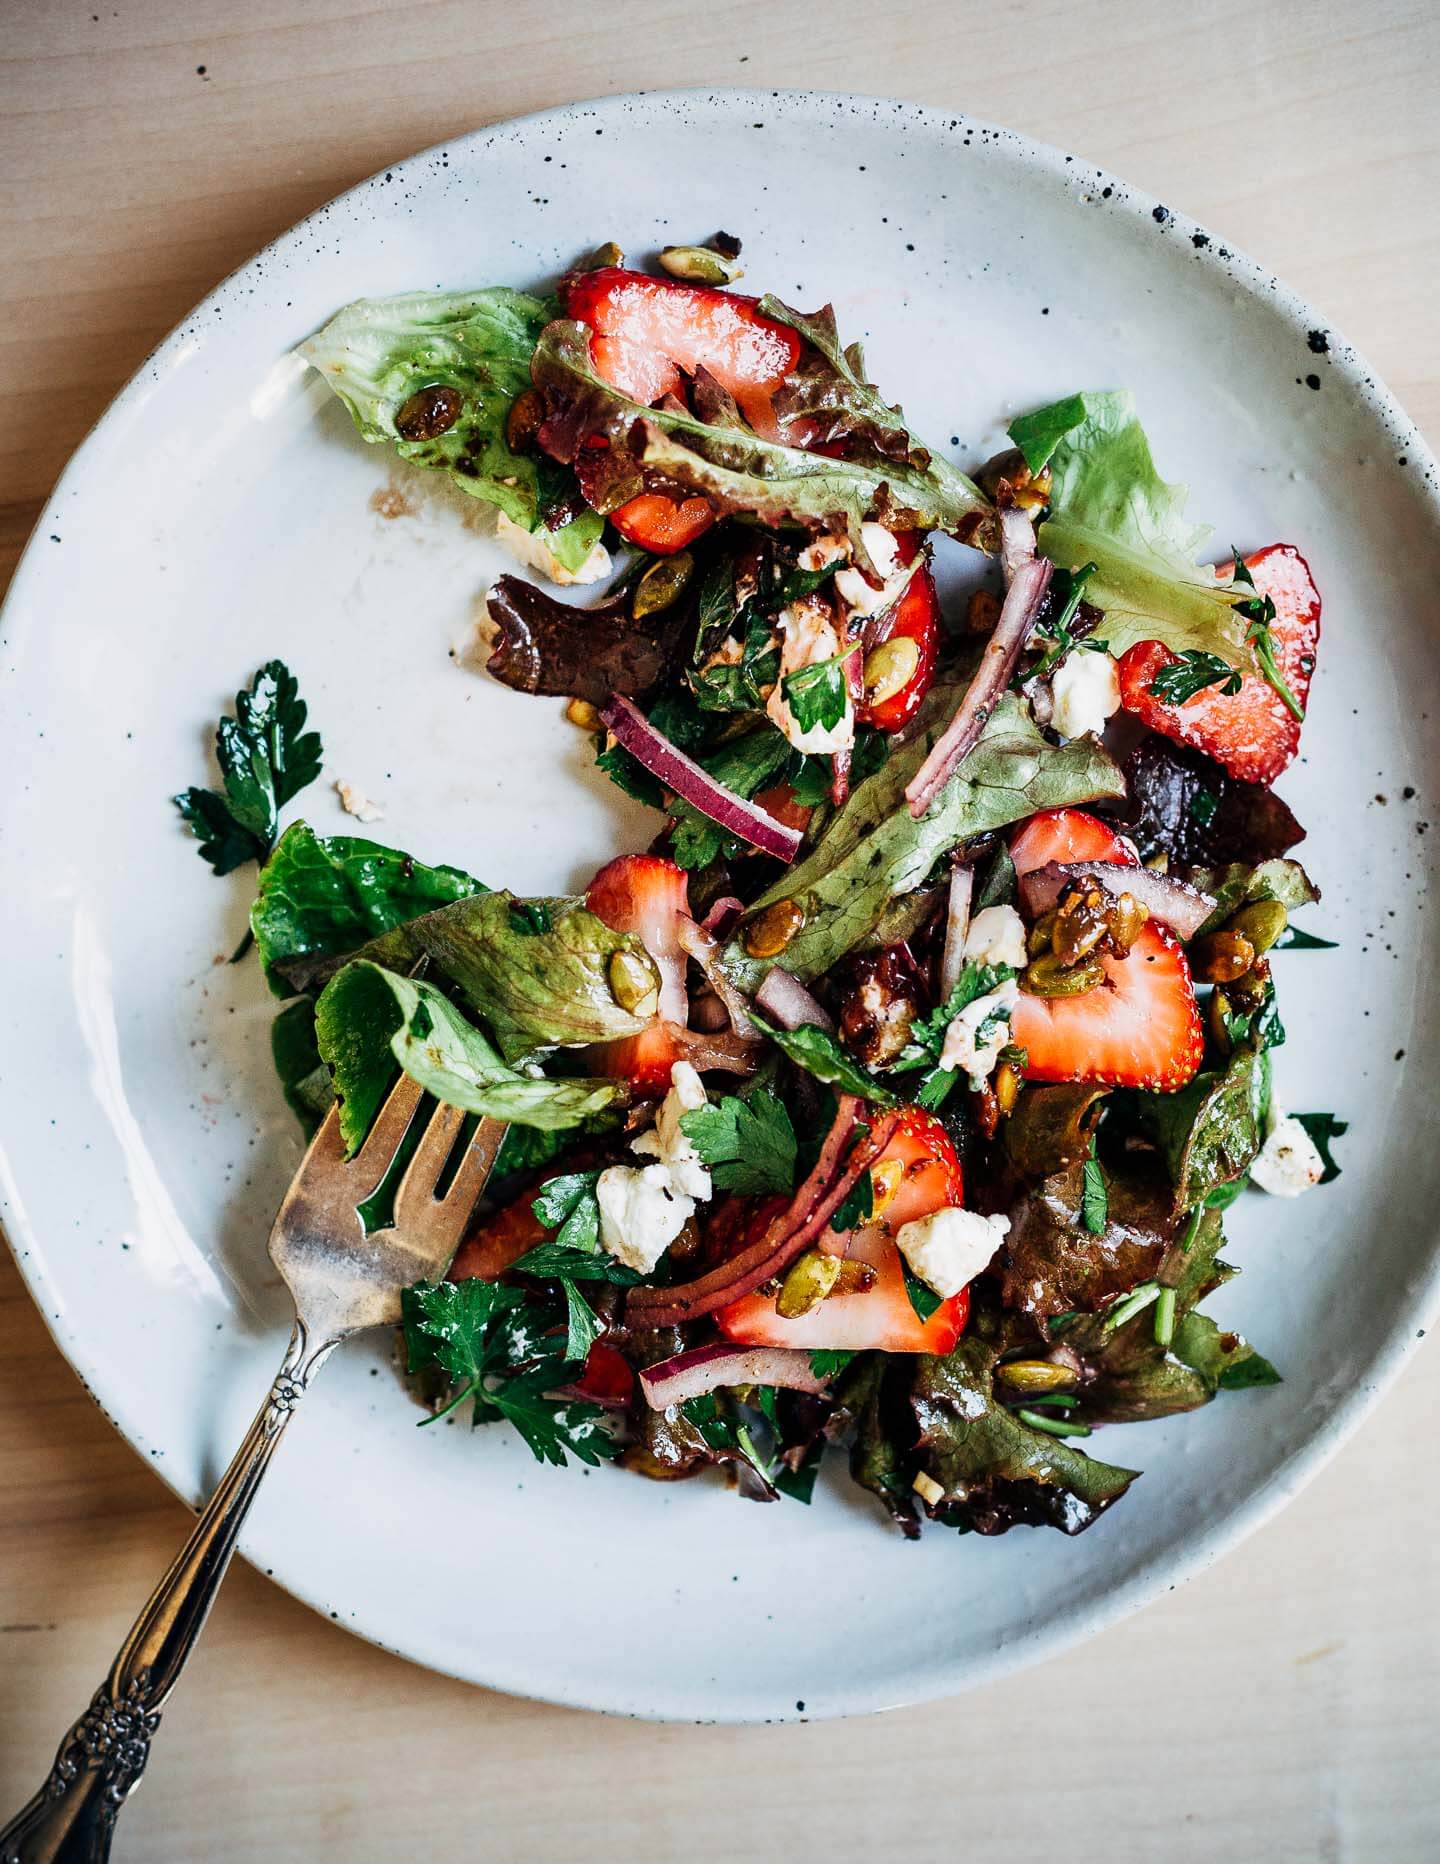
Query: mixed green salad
[[891, 1101]]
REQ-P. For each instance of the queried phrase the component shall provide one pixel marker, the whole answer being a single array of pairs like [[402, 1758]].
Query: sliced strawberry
[[663, 525], [1140, 1027], [645, 894], [647, 330], [607, 1378], [1253, 734], [498, 1242], [917, 1174], [915, 617]]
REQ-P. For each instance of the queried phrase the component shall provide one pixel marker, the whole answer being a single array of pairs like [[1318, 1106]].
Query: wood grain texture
[[1284, 1706]]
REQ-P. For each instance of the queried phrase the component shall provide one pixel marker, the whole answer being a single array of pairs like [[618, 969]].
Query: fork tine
[[392, 1123], [415, 1198], [474, 1169]]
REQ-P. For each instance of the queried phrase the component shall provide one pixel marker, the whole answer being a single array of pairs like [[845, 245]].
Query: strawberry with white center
[[646, 894], [1139, 1027], [1253, 734]]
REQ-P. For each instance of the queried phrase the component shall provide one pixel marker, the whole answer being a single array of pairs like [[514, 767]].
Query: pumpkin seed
[[1035, 1375], [662, 584], [767, 936], [700, 265], [1261, 923], [1221, 957], [634, 982], [1047, 976], [807, 1282], [889, 668]]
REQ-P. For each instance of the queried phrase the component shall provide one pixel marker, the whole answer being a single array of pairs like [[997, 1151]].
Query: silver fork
[[342, 1281]]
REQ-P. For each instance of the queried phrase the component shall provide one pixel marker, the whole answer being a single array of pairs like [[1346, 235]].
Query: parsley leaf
[[927, 1033], [1295, 938], [1322, 1128], [497, 1346], [1095, 1199], [266, 757], [554, 1262], [749, 1145], [567, 1205], [817, 696], [1179, 680], [857, 1205], [582, 1324], [829, 1361], [923, 1297], [816, 1051]]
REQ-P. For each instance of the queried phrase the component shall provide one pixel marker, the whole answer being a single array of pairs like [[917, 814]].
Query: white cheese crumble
[[997, 936], [666, 1142], [1289, 1162], [644, 1208], [825, 550], [531, 549], [640, 1214], [1086, 690], [355, 802], [928, 1489], [851, 586], [949, 1248], [976, 1036], [807, 636]]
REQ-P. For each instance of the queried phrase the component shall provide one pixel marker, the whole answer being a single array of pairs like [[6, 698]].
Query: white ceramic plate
[[222, 513]]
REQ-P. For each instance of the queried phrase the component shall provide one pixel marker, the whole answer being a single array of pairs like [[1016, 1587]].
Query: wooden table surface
[[1284, 1706]]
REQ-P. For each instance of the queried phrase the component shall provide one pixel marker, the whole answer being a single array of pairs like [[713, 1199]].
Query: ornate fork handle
[[71, 1820]]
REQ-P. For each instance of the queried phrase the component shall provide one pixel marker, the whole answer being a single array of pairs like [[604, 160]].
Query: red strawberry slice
[[663, 525], [1253, 734], [645, 894], [915, 617], [647, 330], [1140, 1028], [918, 1173]]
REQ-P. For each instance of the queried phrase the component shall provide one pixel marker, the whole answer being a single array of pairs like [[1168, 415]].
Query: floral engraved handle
[[101, 1760]]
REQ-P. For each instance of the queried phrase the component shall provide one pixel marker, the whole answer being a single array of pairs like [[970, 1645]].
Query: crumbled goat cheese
[[949, 1248], [928, 1489], [852, 587], [355, 802], [641, 1213], [997, 936], [666, 1142], [1289, 1162], [808, 636], [643, 1209], [1086, 689], [976, 1036], [531, 549]]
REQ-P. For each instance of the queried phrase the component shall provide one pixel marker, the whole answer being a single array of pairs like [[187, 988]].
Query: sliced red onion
[[1002, 651], [1174, 903], [1017, 541], [703, 949], [708, 1014], [630, 728], [706, 1368], [725, 1049], [783, 997], [785, 1236], [957, 924], [722, 915]]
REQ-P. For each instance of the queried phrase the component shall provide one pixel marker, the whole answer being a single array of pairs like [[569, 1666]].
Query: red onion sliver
[[698, 943], [957, 924], [1173, 902], [1002, 651], [691, 1375], [722, 915], [1017, 542], [630, 728], [785, 998]]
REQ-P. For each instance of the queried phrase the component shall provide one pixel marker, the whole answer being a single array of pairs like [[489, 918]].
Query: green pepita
[[1261, 923], [889, 668], [662, 584], [1046, 976], [634, 982], [700, 265], [807, 1282]]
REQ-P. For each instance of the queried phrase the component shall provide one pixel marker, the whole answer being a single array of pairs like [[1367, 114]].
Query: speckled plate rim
[[622, 112]]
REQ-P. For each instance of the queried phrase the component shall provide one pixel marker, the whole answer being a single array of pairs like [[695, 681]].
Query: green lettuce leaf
[[1109, 507], [324, 896], [1239, 884], [303, 1075], [733, 467], [873, 850], [378, 352], [368, 1019], [541, 978], [1210, 1131]]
